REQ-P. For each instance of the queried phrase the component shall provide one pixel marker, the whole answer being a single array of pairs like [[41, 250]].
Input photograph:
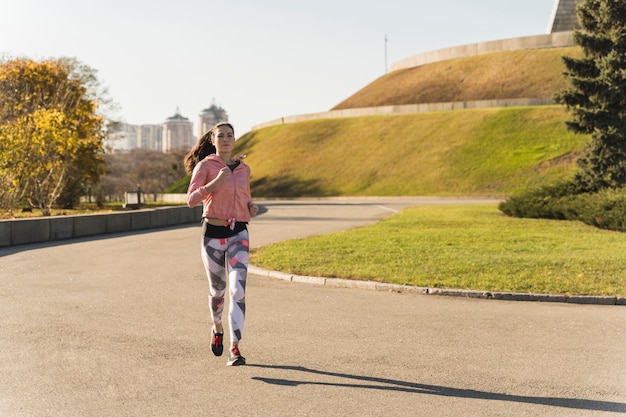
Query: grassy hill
[[512, 74], [465, 152]]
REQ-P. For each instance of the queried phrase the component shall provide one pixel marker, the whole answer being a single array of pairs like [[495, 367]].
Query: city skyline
[[175, 132]]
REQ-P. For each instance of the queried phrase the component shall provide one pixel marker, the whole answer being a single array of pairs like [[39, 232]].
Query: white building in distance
[[123, 139], [209, 117], [150, 137], [177, 133]]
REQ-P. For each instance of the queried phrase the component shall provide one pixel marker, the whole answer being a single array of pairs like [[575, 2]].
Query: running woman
[[222, 184]]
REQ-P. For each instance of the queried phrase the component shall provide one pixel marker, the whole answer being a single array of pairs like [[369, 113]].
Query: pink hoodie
[[229, 199]]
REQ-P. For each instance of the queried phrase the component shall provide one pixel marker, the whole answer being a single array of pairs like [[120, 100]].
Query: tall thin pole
[[385, 53]]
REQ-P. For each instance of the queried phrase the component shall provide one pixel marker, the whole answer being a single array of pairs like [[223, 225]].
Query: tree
[[596, 96], [11, 189], [50, 131], [152, 170]]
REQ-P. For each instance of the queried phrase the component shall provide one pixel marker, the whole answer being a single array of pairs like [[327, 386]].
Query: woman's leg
[[237, 255], [214, 260]]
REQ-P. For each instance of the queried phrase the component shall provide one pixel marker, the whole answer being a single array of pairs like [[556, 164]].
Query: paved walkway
[[118, 326]]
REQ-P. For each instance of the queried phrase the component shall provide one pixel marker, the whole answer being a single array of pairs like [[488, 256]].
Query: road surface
[[118, 325]]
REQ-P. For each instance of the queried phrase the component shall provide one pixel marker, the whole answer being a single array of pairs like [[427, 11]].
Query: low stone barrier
[[45, 229], [524, 43], [408, 108]]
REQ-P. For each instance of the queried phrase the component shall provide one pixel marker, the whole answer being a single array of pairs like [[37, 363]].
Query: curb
[[486, 295]]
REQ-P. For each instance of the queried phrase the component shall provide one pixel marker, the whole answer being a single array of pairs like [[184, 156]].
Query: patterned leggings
[[216, 254]]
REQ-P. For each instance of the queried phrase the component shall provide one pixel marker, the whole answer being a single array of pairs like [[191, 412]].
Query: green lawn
[[463, 247]]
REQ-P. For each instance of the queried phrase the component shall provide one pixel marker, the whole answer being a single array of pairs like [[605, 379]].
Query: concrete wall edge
[[46, 229], [409, 108], [545, 41]]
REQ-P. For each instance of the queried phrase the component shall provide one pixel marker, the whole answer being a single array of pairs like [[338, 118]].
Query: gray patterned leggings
[[216, 255]]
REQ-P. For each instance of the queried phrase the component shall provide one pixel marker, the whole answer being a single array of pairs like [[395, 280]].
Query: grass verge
[[465, 247]]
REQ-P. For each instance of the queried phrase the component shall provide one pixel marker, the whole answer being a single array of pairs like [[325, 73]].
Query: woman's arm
[[198, 190]]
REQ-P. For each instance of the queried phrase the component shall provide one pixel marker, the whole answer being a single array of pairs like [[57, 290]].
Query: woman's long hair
[[203, 148]]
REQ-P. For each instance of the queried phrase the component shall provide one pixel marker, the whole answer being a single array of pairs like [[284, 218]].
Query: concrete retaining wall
[[45, 229], [551, 40], [408, 108]]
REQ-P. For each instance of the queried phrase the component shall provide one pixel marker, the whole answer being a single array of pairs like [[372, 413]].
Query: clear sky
[[258, 59]]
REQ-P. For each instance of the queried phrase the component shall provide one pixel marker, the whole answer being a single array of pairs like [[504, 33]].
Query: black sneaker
[[235, 358], [217, 346]]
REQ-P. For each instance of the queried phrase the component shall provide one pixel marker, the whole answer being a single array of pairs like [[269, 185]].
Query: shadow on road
[[411, 387]]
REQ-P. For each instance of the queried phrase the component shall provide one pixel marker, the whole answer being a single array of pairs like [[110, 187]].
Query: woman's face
[[224, 139]]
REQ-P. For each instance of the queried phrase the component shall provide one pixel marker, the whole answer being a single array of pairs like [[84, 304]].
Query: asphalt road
[[118, 326]]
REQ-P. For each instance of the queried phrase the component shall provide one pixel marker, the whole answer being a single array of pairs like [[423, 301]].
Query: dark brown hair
[[203, 148]]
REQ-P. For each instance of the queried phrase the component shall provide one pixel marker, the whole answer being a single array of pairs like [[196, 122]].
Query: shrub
[[547, 202], [605, 209]]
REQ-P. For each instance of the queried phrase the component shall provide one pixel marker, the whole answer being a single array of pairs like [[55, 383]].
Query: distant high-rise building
[[564, 16], [150, 137], [209, 117], [123, 139], [177, 133]]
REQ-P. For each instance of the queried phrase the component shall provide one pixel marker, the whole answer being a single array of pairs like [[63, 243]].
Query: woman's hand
[[253, 209], [222, 176]]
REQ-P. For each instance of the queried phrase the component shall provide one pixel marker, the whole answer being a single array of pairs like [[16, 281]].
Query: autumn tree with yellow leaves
[[51, 135]]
